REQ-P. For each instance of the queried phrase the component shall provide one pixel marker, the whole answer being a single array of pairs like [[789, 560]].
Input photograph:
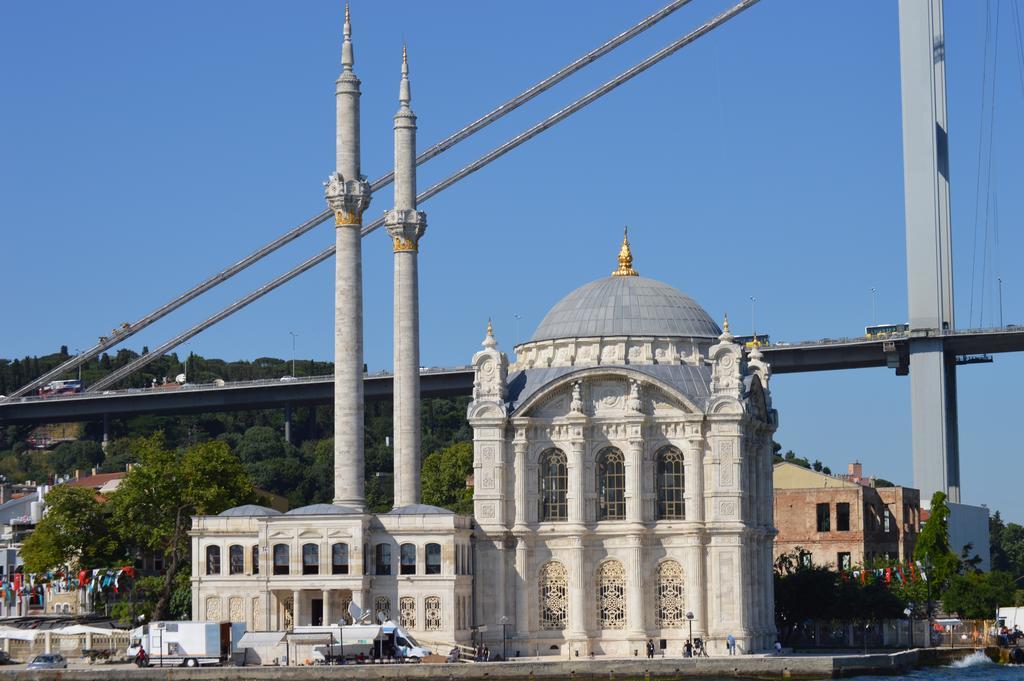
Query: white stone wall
[[266, 601], [723, 545]]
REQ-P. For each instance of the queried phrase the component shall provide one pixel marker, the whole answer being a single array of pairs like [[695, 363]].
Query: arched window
[[554, 481], [432, 613], [671, 485], [433, 559], [339, 559], [281, 559], [554, 596], [236, 560], [382, 559], [310, 559], [611, 595], [213, 560], [611, 485], [382, 606], [407, 559], [407, 612], [255, 559], [671, 595]]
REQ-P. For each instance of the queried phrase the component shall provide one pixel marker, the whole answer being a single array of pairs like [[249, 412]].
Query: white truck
[[365, 640], [180, 644]]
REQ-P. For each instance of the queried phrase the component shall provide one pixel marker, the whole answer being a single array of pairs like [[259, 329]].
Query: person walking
[[730, 644], [687, 650], [650, 649]]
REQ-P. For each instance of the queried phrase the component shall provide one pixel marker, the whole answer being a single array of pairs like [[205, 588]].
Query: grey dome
[[322, 509], [248, 510], [626, 306]]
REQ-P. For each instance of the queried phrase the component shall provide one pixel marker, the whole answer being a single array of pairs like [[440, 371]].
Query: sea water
[[975, 667]]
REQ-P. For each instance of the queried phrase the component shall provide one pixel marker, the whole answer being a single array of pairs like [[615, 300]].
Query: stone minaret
[[348, 195], [406, 225]]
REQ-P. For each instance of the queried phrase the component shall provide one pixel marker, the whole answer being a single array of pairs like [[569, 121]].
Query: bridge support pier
[[288, 422], [929, 247], [933, 418]]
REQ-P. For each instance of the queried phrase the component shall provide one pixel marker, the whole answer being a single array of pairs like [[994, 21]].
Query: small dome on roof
[[323, 509], [248, 510], [420, 509]]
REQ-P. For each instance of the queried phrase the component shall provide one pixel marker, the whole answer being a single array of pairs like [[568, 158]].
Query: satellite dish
[[355, 611], [179, 379]]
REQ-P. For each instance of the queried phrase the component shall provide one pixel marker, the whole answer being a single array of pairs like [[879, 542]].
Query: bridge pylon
[[929, 256]]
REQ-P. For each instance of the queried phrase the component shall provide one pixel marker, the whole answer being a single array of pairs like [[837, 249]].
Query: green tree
[[976, 595], [444, 475], [932, 546], [77, 455], [74, 532], [154, 505]]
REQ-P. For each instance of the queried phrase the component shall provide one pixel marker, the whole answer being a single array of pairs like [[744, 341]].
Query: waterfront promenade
[[740, 666]]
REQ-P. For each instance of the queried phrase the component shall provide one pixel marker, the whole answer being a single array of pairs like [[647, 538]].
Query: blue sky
[[144, 146]]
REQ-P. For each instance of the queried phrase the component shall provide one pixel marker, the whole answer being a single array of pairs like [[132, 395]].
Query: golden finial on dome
[[625, 258], [725, 324], [490, 329]]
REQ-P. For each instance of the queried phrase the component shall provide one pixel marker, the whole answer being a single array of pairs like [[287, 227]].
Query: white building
[[623, 471]]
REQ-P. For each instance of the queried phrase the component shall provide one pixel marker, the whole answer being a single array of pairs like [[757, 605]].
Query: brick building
[[843, 520]]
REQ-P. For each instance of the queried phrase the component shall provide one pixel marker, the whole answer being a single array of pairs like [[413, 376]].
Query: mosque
[[622, 471]]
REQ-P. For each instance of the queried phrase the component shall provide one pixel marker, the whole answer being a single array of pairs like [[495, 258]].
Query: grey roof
[[248, 510], [323, 509], [626, 306], [419, 509], [692, 381]]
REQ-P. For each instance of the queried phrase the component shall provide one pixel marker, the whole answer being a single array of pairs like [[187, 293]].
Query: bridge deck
[[821, 355]]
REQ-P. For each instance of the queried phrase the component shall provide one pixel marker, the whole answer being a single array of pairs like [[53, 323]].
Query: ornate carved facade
[[623, 468]]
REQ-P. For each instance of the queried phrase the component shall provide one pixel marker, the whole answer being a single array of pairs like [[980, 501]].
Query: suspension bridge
[[929, 351]]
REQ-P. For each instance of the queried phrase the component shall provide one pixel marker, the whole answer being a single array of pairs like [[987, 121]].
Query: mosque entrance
[[317, 612]]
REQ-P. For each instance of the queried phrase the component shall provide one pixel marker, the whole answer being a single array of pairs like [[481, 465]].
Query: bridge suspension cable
[[447, 143], [495, 153]]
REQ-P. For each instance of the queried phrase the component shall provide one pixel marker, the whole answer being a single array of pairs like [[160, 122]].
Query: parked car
[[5, 657], [48, 661]]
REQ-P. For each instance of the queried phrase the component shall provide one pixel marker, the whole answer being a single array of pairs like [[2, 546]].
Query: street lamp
[[503, 621], [1000, 280], [874, 317], [753, 325], [293, 335], [79, 351], [909, 612], [689, 620]]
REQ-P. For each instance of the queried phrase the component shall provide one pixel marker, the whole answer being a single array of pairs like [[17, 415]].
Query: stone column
[[574, 493], [694, 465], [296, 608], [406, 225], [636, 627], [524, 585], [695, 579], [577, 629], [634, 481], [493, 618], [521, 447], [348, 195], [327, 607]]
